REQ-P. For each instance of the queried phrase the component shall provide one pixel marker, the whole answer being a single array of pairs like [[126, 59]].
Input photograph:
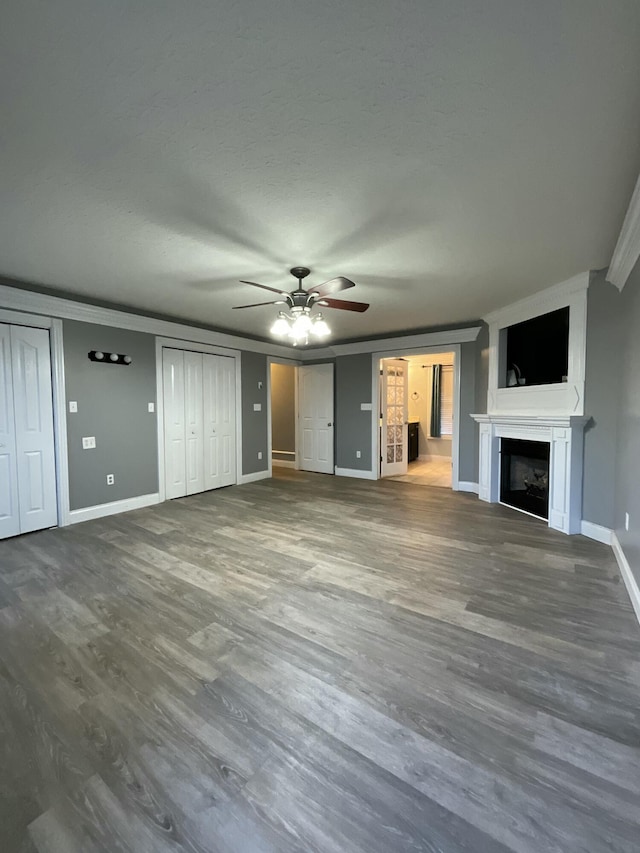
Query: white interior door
[[394, 432], [219, 404], [34, 443], [316, 418], [194, 421], [9, 511], [174, 423]]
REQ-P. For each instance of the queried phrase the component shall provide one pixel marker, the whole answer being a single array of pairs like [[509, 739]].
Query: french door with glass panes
[[393, 407]]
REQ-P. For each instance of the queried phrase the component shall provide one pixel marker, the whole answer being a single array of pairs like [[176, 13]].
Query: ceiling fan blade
[[334, 285], [258, 304], [343, 304], [264, 287]]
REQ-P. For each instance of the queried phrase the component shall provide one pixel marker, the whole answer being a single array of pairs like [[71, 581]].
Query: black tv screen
[[538, 350]]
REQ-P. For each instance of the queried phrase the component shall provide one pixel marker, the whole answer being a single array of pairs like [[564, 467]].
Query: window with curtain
[[446, 400]]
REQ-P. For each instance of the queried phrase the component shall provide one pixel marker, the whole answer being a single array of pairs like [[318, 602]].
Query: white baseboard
[[597, 532], [627, 575], [102, 510], [284, 463], [251, 478], [355, 472], [467, 486]]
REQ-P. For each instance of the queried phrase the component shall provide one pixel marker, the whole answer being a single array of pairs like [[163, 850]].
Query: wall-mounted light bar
[[109, 357]]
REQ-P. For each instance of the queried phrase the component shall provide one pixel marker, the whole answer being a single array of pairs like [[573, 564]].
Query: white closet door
[[174, 423], [194, 422], [9, 512], [219, 401], [33, 406]]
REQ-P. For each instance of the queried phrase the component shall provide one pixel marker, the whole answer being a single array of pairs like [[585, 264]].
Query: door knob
[[329, 424]]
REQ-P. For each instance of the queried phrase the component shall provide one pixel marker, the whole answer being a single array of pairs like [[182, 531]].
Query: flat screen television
[[538, 350]]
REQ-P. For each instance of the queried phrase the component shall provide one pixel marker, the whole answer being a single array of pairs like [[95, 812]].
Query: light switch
[[73, 406], [88, 442], [257, 407], [151, 407]]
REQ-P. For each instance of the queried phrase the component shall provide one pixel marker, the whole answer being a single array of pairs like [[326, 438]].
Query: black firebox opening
[[524, 475]]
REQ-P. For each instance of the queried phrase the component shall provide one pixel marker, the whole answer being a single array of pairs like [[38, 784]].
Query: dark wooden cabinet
[[414, 450]]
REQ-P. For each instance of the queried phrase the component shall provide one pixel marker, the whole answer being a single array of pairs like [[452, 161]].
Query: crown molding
[[627, 250], [426, 339], [33, 302], [556, 296]]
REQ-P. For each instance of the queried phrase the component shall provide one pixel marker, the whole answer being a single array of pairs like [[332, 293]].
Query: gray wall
[[254, 424], [283, 410], [627, 493], [112, 405], [601, 398], [468, 459], [353, 426]]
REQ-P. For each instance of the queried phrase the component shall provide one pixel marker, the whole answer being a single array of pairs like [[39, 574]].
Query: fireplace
[[524, 475]]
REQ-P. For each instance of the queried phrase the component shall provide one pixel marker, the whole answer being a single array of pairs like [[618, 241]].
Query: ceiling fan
[[306, 299]]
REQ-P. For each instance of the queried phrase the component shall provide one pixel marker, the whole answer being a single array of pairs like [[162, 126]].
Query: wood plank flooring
[[313, 663]]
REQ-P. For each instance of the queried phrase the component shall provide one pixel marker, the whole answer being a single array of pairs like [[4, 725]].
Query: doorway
[[418, 423], [283, 397]]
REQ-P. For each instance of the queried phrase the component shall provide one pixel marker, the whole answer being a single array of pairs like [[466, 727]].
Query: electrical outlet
[[259, 454], [73, 406], [88, 442], [358, 454], [110, 479], [626, 521], [257, 407], [151, 407]]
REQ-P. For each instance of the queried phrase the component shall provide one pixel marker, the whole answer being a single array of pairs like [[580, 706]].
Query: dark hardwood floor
[[317, 664]]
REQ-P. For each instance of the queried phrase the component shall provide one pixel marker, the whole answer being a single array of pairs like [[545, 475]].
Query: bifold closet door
[[175, 469], [9, 510], [194, 421], [219, 399], [27, 449]]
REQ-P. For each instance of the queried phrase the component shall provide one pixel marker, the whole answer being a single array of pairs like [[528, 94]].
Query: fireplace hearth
[[524, 475]]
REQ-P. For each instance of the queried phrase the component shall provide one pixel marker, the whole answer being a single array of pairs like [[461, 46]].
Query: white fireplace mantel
[[565, 435]]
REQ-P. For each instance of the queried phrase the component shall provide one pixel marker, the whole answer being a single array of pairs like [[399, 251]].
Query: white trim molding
[[33, 302], [627, 575], [562, 398], [597, 532], [90, 513], [468, 486], [627, 250], [252, 478], [356, 473], [419, 343]]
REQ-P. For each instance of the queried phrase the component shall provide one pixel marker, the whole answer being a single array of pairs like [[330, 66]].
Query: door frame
[[295, 364], [376, 358], [56, 349], [174, 343]]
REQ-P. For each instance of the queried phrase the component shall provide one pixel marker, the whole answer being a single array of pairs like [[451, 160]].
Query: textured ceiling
[[448, 156]]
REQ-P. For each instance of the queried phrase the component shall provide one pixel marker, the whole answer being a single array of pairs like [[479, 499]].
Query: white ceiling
[[450, 156]]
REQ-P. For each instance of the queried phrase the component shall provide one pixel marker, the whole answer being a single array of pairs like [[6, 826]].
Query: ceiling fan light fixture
[[281, 326], [320, 328]]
